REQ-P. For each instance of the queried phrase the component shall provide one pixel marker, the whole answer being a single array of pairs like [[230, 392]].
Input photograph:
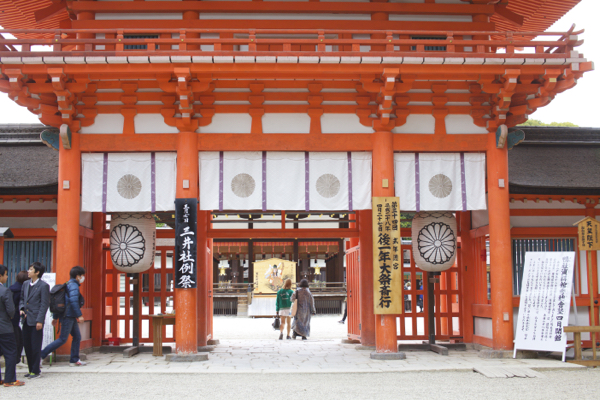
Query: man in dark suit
[[8, 342], [35, 300]]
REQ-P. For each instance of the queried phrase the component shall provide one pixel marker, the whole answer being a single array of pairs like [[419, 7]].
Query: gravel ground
[[321, 327], [580, 384], [558, 384]]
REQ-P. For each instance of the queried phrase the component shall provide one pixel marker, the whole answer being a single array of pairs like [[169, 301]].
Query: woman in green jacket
[[283, 306]]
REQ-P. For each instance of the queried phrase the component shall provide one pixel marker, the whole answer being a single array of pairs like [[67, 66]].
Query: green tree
[[537, 122]]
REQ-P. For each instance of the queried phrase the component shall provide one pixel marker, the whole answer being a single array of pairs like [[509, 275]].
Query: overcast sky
[[579, 105]]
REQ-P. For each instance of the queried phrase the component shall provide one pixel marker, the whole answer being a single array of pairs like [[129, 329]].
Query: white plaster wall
[[137, 16], [436, 18], [545, 221], [417, 123], [343, 123], [286, 123], [45, 222], [286, 17], [479, 218], [483, 327], [462, 124], [228, 123], [152, 123], [105, 124], [85, 219], [532, 205], [33, 205]]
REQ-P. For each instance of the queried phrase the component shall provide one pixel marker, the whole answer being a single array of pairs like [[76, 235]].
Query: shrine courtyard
[[250, 363]]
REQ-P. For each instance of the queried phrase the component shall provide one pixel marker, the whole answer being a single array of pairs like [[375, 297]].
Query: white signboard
[[545, 301], [50, 279]]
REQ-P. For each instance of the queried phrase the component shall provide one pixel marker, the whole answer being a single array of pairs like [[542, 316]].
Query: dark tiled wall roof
[[556, 160], [27, 166]]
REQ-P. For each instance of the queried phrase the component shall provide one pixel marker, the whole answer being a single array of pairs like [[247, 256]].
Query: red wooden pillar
[[186, 339], [467, 267], [68, 208], [209, 282], [365, 272], [383, 186], [203, 266], [97, 278], [500, 246], [353, 241]]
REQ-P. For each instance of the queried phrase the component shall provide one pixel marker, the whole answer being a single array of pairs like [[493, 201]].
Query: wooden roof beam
[[47, 13], [503, 12], [279, 7]]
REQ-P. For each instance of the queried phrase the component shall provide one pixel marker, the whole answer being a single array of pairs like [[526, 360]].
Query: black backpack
[[58, 303]]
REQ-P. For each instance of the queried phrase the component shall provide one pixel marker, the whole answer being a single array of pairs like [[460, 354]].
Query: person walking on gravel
[[283, 304], [69, 321], [8, 343], [305, 308]]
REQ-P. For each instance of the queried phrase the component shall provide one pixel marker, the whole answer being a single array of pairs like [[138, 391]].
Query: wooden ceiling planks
[[20, 14], [539, 15]]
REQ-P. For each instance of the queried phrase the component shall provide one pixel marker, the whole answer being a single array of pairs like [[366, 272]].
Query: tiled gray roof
[[27, 166], [556, 160]]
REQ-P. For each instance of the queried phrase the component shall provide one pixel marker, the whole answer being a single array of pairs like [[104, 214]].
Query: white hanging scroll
[[285, 181], [544, 306], [440, 181], [113, 182]]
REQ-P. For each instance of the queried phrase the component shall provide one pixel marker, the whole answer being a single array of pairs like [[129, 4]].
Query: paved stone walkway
[[316, 355]]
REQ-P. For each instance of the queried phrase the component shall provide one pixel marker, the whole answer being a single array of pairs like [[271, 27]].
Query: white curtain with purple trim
[[285, 181], [128, 182], [440, 181]]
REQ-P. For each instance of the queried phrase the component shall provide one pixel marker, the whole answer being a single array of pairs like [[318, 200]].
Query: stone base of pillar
[[351, 341], [388, 356], [213, 342], [361, 347], [206, 348], [186, 357]]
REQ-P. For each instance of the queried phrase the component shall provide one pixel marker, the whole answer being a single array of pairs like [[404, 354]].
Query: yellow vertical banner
[[387, 256]]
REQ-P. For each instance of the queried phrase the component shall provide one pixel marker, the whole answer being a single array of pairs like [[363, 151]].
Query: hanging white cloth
[[128, 182], [285, 181], [440, 181]]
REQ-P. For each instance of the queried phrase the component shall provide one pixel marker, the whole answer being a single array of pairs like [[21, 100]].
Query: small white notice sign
[[50, 279], [545, 301]]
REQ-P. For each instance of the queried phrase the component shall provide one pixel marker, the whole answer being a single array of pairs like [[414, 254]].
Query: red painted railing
[[353, 292], [305, 42]]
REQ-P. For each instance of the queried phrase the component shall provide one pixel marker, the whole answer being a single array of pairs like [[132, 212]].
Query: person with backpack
[[35, 299], [73, 301], [8, 343]]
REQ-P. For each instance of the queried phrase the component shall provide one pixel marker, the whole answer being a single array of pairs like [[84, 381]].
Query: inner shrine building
[[280, 123]]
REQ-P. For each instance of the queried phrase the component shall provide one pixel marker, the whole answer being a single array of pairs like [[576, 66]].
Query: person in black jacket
[[69, 321], [8, 344], [15, 288], [35, 300]]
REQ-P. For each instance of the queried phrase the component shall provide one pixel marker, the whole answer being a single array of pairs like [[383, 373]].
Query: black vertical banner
[[186, 224]]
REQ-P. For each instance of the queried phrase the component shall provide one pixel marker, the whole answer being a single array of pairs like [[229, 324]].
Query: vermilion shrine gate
[[321, 80]]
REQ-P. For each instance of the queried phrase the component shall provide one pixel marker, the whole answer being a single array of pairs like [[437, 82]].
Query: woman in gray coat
[[305, 307]]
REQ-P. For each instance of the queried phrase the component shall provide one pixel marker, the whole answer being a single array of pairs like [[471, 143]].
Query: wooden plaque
[[588, 232], [387, 256]]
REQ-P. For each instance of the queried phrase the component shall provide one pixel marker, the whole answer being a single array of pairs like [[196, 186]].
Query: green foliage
[[406, 219], [537, 122]]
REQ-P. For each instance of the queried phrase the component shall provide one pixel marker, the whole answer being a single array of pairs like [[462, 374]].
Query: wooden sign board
[[588, 231], [387, 256], [545, 299], [271, 274]]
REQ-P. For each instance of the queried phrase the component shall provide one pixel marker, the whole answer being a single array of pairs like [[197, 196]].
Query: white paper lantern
[[434, 240], [132, 241]]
